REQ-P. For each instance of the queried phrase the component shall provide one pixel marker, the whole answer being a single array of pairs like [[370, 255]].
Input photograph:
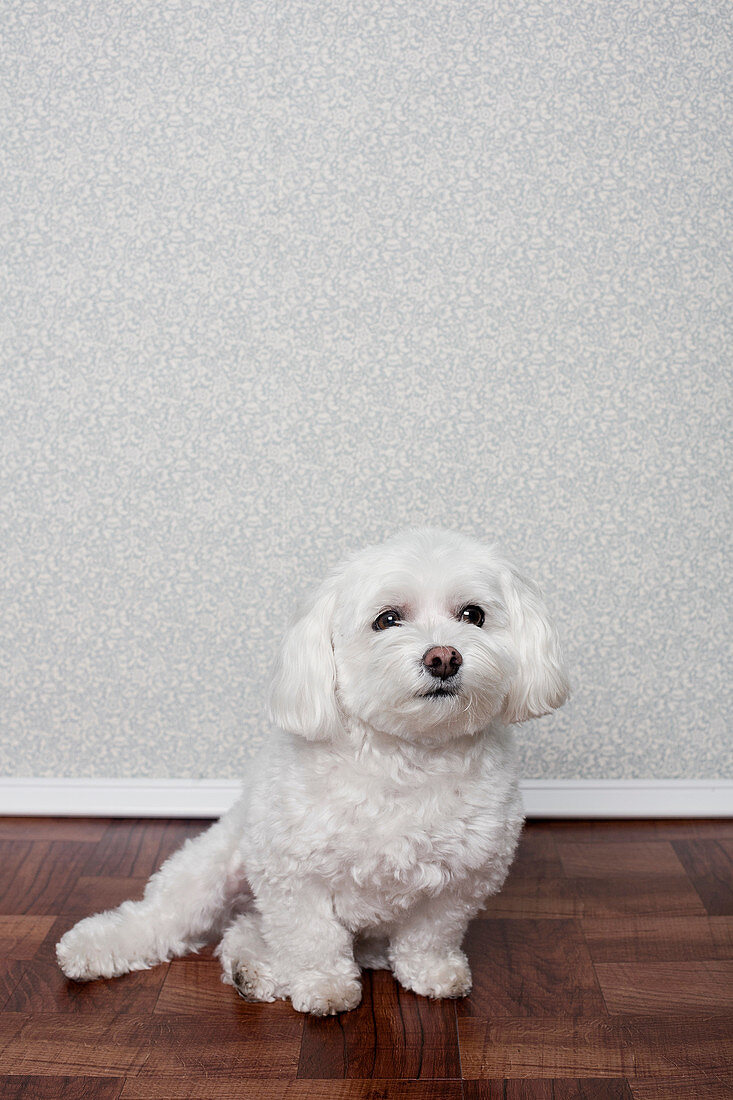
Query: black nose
[[440, 661]]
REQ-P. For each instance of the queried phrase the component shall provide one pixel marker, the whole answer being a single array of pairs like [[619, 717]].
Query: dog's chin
[[433, 716]]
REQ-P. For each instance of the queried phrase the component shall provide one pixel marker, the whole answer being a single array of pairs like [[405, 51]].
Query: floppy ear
[[303, 686], [540, 683]]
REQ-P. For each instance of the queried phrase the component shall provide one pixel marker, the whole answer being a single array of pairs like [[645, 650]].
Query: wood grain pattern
[[523, 968], [611, 860], [193, 987], [54, 1044], [536, 885], [92, 893], [544, 1047], [658, 939], [603, 1046], [709, 864], [251, 1044], [682, 1086], [620, 878], [668, 988], [21, 936], [624, 896], [553, 1089], [590, 832], [279, 1088], [136, 848], [11, 971], [87, 829], [39, 875], [392, 1034], [681, 1045], [535, 897], [603, 971], [34, 1087], [43, 988]]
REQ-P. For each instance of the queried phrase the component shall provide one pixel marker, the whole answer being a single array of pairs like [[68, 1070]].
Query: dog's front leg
[[425, 949], [311, 953]]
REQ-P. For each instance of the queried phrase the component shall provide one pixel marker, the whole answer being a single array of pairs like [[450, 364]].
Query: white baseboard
[[631, 798], [569, 798], [117, 797]]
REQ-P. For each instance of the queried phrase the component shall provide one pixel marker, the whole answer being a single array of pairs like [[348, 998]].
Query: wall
[[280, 279]]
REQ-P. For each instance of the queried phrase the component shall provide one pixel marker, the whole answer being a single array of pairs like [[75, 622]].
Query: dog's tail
[[185, 905]]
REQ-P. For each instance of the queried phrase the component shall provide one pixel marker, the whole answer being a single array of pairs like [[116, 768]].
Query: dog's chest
[[403, 845], [379, 842]]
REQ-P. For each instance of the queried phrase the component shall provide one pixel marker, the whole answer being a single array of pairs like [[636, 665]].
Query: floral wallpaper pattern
[[277, 279]]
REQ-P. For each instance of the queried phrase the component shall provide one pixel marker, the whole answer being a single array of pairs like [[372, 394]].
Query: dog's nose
[[441, 661]]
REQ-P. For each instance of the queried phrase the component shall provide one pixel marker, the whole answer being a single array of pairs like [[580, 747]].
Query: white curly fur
[[380, 817]]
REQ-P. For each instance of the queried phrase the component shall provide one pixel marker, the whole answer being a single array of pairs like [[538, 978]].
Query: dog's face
[[420, 640], [428, 637]]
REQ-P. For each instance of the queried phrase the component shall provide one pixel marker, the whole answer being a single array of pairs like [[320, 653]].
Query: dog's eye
[[472, 614], [387, 619]]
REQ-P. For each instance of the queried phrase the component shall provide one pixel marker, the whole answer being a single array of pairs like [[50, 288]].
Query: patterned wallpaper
[[277, 279]]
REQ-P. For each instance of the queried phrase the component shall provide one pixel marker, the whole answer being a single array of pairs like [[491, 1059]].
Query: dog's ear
[[303, 686], [540, 684]]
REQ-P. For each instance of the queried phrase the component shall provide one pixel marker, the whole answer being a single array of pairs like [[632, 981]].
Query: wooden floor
[[603, 970]]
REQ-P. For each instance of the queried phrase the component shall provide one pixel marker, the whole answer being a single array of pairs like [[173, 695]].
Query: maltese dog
[[386, 809]]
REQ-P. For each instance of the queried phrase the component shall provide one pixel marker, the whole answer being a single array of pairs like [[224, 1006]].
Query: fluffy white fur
[[381, 816]]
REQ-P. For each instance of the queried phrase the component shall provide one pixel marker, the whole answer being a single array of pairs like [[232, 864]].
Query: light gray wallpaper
[[280, 278]]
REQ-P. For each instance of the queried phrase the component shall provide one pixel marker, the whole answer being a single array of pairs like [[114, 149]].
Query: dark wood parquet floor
[[604, 970]]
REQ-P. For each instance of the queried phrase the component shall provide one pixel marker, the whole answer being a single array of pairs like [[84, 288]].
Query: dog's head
[[427, 637]]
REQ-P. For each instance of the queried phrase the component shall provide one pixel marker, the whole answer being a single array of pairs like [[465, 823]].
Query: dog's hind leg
[[185, 904]]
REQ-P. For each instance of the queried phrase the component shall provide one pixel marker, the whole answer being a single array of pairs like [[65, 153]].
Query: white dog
[[374, 826]]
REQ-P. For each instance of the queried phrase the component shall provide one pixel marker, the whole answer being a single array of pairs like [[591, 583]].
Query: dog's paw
[[245, 961], [326, 996], [435, 976], [251, 984], [91, 950]]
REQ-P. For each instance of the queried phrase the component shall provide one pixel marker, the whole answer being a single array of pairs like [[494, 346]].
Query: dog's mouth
[[440, 693]]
